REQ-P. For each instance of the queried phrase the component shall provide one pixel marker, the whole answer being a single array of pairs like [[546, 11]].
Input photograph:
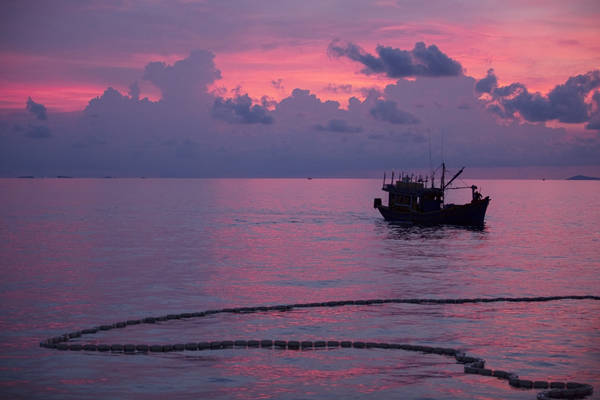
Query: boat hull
[[470, 214]]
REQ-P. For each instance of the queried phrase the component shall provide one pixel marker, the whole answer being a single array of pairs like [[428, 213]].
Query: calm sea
[[76, 253]]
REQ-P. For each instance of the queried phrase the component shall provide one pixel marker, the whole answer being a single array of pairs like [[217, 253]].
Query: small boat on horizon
[[411, 201]]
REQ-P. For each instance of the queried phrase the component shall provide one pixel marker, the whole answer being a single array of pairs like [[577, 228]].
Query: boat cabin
[[413, 195]]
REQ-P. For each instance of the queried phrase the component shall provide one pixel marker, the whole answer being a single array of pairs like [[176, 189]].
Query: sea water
[[77, 253]]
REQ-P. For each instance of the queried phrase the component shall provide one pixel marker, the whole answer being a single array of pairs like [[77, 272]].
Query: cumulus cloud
[[202, 133], [565, 103], [134, 90], [594, 122], [422, 60], [388, 111], [186, 79], [241, 111], [338, 125], [110, 102], [37, 109], [487, 84]]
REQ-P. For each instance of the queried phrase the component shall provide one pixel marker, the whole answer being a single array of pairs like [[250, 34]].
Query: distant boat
[[410, 200]]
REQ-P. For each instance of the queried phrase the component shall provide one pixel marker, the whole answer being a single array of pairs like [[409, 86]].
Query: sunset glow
[[311, 82]]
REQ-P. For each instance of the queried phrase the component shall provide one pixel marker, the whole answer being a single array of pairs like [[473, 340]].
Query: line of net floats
[[472, 365]]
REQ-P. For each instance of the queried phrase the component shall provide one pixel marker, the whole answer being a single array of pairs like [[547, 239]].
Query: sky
[[187, 88]]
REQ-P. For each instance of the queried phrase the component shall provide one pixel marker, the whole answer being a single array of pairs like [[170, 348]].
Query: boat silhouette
[[411, 201]]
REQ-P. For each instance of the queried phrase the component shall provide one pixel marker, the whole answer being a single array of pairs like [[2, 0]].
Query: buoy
[[116, 348], [473, 365], [142, 348]]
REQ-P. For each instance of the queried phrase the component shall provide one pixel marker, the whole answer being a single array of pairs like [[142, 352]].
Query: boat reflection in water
[[411, 201]]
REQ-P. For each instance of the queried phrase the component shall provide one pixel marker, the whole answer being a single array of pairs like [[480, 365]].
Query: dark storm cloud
[[565, 103], [37, 109], [38, 132], [388, 111], [487, 84], [338, 125], [422, 60], [241, 111]]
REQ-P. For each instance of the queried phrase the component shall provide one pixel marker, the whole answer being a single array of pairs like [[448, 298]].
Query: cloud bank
[[194, 132]]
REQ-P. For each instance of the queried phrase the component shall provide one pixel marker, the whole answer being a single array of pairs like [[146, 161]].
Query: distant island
[[583, 178]]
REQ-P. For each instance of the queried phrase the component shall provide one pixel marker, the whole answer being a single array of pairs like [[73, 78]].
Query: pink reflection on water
[[83, 253]]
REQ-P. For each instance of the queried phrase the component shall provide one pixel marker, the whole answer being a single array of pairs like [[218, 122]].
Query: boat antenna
[[392, 177], [383, 178], [442, 139], [442, 185]]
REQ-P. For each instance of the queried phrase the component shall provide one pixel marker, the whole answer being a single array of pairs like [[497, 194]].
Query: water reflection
[[80, 253], [400, 230]]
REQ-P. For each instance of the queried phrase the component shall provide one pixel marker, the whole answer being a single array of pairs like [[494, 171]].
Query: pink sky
[[320, 88], [64, 54]]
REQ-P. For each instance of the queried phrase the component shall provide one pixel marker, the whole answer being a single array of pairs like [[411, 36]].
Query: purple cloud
[[487, 84], [338, 125], [422, 60], [184, 134], [594, 122], [241, 111], [185, 80], [565, 103], [37, 109], [388, 111], [343, 88]]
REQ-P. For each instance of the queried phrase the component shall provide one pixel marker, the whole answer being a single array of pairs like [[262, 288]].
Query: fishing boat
[[412, 200]]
